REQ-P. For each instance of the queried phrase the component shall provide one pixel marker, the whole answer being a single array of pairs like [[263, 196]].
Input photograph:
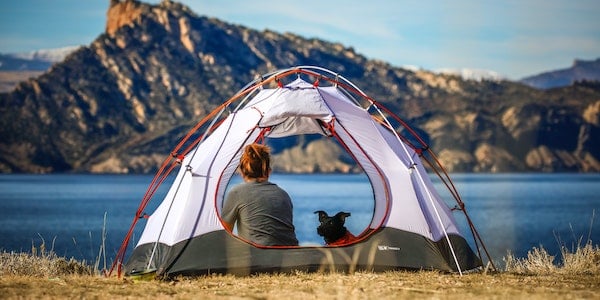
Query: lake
[[512, 212]]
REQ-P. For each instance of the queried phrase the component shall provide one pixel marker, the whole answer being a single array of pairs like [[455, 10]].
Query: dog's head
[[331, 228]]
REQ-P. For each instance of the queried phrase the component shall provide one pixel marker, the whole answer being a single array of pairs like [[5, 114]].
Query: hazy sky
[[515, 38]]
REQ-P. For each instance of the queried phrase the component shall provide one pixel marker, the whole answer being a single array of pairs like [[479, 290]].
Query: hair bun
[[255, 161]]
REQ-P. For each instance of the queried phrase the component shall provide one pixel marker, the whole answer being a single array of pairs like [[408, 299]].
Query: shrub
[[41, 263], [583, 260]]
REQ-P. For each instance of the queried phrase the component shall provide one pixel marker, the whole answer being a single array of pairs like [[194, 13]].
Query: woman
[[261, 210]]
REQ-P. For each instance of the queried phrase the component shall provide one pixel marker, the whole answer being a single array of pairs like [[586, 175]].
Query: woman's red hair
[[255, 162]]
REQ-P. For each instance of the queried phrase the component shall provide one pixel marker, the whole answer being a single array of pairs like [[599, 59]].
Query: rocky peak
[[121, 103], [122, 13]]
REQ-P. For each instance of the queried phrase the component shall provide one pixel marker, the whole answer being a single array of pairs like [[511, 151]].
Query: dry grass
[[361, 285], [41, 262], [577, 275], [584, 260]]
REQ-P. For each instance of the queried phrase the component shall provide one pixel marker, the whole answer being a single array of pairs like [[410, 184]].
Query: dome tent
[[411, 226]]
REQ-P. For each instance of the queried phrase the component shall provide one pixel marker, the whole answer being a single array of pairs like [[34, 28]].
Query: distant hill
[[14, 70], [39, 60], [10, 79], [19, 67], [581, 70], [119, 104], [12, 63]]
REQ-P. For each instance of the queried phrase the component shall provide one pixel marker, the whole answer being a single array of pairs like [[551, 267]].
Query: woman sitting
[[261, 210]]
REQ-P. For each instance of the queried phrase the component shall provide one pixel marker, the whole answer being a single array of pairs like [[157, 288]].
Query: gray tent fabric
[[412, 227], [388, 249]]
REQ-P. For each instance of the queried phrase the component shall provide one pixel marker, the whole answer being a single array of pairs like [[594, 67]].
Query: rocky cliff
[[121, 103]]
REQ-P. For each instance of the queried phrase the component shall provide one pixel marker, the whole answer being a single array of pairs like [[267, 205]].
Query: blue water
[[512, 212]]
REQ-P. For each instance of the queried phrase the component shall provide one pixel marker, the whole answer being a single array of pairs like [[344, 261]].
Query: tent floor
[[220, 252]]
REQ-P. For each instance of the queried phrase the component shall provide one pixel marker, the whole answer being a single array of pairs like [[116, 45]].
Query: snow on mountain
[[472, 74], [48, 55], [464, 73]]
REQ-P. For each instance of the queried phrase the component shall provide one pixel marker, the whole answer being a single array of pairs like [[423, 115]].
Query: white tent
[[411, 227]]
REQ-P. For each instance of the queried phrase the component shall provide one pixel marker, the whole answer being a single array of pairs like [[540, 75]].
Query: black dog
[[332, 229]]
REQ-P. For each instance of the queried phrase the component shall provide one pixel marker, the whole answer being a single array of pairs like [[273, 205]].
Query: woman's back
[[263, 212]]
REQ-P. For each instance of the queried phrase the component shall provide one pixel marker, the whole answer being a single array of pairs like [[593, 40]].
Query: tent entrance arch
[[411, 228]]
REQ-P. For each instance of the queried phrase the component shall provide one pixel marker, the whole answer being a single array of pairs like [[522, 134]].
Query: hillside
[[119, 104]]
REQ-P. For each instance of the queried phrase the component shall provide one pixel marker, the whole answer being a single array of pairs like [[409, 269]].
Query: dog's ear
[[322, 215], [342, 216]]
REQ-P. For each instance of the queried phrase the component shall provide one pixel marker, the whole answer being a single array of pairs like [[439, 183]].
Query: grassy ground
[[391, 285], [574, 275]]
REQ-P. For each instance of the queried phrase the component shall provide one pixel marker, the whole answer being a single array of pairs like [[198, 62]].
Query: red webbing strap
[[261, 136], [420, 151], [328, 126]]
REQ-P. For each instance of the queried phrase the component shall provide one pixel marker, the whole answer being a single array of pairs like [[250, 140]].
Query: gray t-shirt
[[263, 213]]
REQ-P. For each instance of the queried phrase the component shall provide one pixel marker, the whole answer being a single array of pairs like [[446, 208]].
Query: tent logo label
[[387, 248]]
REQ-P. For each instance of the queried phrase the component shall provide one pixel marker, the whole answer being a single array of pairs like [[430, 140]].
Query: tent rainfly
[[411, 226]]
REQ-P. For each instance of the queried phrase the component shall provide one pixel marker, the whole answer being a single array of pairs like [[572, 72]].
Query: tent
[[411, 227]]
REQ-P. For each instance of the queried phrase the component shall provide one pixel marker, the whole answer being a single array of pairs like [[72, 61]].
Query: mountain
[[121, 103], [18, 67], [13, 63], [45, 55], [39, 60], [581, 70], [14, 70]]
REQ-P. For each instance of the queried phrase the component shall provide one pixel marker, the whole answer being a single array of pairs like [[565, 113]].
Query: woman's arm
[[229, 214]]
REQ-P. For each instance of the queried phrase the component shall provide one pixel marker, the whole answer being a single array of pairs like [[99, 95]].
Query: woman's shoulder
[[249, 186], [239, 187], [244, 186]]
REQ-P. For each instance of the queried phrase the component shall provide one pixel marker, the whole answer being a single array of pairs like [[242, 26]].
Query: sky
[[515, 38]]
